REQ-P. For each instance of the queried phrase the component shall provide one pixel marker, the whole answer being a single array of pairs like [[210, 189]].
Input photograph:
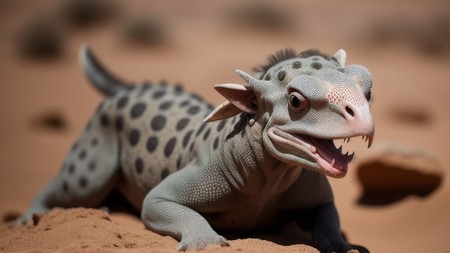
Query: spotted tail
[[97, 74]]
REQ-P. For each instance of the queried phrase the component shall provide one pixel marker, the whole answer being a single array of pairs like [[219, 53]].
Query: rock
[[393, 172], [50, 120], [411, 115]]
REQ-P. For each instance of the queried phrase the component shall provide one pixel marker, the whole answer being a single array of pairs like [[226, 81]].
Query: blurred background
[[395, 197]]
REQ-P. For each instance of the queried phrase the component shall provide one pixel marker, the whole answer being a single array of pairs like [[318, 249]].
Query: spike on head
[[247, 77], [240, 98], [340, 56]]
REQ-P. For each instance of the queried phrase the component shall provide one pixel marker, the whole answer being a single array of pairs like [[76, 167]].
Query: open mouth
[[324, 151]]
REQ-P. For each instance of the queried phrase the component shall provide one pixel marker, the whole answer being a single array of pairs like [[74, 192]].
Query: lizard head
[[304, 102]]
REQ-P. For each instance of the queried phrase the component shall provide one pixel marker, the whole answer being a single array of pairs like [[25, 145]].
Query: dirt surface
[[46, 101]]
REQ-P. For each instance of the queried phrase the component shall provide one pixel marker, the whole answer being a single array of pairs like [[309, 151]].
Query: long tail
[[97, 74]]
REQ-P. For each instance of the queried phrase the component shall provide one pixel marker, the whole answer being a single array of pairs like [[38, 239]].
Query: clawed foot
[[327, 246], [197, 240]]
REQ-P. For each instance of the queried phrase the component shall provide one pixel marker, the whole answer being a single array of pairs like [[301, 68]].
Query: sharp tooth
[[370, 142], [350, 157], [340, 149]]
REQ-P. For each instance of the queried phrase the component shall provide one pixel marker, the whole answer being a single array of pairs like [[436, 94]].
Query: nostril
[[349, 111]]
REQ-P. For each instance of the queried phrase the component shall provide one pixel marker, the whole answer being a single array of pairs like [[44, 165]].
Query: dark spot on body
[[134, 137], [341, 70], [166, 105], [315, 59], [267, 78], [71, 169], [139, 165], [152, 144], [143, 90], [65, 187], [158, 122], [196, 97], [104, 120], [216, 143], [122, 102], [75, 146], [100, 107], [119, 123], [191, 148], [180, 158], [89, 125], [92, 166], [94, 142], [83, 182], [296, 65], [193, 110], [82, 154], [200, 130], [178, 88], [165, 173], [316, 65], [159, 94], [281, 75], [186, 138], [206, 135], [137, 110], [170, 146], [182, 124], [185, 103], [221, 125]]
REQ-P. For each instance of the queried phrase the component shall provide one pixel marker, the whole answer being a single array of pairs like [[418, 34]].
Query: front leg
[[183, 223], [172, 208], [326, 231]]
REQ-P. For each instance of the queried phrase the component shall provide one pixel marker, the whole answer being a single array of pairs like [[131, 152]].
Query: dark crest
[[286, 54], [274, 59], [313, 52]]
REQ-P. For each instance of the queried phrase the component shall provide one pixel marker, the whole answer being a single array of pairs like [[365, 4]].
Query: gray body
[[192, 178]]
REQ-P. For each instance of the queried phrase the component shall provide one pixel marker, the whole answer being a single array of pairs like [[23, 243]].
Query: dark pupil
[[295, 102], [368, 96]]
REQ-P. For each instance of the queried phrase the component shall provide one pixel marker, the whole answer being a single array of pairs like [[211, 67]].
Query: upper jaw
[[329, 158]]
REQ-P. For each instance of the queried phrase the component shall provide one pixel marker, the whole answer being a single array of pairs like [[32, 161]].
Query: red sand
[[204, 50]]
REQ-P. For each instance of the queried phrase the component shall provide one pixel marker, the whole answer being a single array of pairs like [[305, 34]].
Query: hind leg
[[89, 172]]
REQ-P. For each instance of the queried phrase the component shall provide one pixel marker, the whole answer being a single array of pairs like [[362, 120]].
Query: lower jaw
[[331, 171]]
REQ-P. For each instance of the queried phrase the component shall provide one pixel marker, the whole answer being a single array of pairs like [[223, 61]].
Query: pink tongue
[[328, 152]]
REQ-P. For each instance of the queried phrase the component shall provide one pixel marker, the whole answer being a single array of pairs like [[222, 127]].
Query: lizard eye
[[369, 95], [297, 102]]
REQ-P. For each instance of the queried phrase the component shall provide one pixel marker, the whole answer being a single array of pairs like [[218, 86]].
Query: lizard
[[258, 159]]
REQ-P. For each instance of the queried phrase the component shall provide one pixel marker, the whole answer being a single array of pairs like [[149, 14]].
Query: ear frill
[[223, 111], [240, 98]]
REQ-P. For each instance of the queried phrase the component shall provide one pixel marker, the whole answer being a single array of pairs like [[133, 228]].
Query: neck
[[246, 161]]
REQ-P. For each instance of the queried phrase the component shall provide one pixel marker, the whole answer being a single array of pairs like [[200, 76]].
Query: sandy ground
[[410, 106]]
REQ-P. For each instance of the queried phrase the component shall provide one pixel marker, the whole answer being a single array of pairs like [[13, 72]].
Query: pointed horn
[[248, 78], [340, 56]]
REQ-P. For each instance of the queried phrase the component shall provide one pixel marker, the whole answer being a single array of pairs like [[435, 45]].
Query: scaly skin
[[264, 152]]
